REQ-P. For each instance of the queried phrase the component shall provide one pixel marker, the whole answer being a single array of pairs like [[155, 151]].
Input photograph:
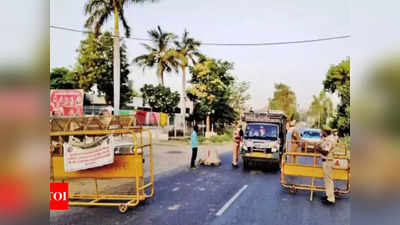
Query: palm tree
[[188, 50], [160, 54], [99, 12]]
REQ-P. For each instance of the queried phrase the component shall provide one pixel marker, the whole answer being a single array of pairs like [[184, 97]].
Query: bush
[[201, 139], [226, 137]]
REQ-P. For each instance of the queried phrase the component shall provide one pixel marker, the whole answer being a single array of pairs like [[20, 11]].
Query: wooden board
[[310, 171]]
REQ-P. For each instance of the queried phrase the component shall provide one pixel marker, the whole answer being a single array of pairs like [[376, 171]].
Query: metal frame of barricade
[[129, 165], [296, 169]]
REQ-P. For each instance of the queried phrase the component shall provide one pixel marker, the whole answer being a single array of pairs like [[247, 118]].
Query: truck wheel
[[245, 164], [277, 167]]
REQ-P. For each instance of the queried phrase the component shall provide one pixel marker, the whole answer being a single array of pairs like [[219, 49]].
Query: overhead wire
[[222, 44]]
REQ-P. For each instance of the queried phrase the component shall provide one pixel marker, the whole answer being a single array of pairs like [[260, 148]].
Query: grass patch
[[226, 137], [219, 139]]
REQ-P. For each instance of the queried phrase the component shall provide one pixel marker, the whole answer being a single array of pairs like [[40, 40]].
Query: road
[[194, 197]]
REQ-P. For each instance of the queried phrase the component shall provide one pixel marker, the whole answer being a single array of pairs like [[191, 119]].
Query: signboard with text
[[68, 102]]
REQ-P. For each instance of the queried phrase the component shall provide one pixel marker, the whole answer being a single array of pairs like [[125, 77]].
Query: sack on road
[[211, 159]]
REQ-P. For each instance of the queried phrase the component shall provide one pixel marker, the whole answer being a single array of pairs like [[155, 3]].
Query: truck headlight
[[274, 149], [247, 145]]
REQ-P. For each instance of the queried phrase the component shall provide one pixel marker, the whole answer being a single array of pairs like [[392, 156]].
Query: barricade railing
[[126, 164], [297, 165]]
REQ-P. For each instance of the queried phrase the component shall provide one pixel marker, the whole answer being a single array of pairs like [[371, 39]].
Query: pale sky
[[301, 66]]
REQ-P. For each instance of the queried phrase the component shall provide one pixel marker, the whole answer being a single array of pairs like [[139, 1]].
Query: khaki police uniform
[[236, 145], [328, 144], [295, 143]]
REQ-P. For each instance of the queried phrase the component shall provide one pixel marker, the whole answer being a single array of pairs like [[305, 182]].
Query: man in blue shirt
[[193, 143]]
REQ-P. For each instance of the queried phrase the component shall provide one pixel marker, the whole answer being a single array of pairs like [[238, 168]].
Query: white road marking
[[174, 207], [229, 203], [175, 189]]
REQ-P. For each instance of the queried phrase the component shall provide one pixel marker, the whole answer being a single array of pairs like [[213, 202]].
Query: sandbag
[[212, 158]]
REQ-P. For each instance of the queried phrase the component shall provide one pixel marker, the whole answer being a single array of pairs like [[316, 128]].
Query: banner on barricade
[[340, 164], [77, 158]]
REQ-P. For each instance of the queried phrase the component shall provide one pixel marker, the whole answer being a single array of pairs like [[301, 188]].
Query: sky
[[301, 66]]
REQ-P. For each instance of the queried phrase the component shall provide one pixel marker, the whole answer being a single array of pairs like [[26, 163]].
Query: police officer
[[237, 139], [326, 148], [294, 140]]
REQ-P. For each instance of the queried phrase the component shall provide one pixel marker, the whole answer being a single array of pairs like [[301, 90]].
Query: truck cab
[[264, 139]]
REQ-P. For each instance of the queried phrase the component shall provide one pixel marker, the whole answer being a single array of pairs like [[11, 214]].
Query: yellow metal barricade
[[126, 165], [297, 168]]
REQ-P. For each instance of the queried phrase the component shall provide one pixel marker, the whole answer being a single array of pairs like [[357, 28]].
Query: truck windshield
[[262, 131]]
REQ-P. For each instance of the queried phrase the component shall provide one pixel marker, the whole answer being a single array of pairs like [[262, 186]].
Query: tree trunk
[[208, 123], [116, 65], [162, 78], [183, 99]]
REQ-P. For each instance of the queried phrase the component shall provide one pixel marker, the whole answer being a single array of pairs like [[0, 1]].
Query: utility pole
[[116, 60]]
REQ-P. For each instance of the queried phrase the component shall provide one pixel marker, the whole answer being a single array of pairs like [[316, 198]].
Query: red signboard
[[66, 102]]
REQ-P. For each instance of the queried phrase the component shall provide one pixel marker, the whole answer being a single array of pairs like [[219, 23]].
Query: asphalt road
[[193, 197]]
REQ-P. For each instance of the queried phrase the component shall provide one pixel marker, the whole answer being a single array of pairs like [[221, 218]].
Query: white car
[[311, 136]]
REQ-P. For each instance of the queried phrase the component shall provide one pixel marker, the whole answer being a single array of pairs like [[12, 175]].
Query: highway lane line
[[229, 203]]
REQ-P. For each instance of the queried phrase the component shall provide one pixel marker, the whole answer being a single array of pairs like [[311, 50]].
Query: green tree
[[160, 98], [160, 54], [99, 11], [284, 99], [211, 92], [240, 96], [62, 78], [188, 51], [321, 109], [338, 81], [95, 67]]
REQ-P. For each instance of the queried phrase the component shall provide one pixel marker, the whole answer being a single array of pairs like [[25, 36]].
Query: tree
[[240, 96], [376, 108], [160, 98], [160, 54], [211, 92], [95, 67], [99, 12], [62, 78], [188, 50], [284, 99], [321, 109], [338, 81]]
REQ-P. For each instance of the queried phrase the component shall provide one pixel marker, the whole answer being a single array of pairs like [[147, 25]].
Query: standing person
[[294, 140], [237, 139], [194, 143], [290, 128], [326, 148]]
